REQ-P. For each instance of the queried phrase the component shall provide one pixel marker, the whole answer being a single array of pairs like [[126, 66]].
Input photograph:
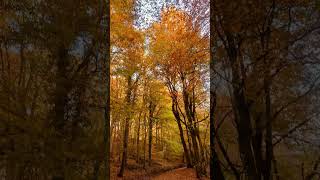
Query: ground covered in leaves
[[159, 170]]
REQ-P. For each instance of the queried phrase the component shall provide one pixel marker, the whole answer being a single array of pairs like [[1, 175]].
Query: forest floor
[[178, 174], [159, 170]]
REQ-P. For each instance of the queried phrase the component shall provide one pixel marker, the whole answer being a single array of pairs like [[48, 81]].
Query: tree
[[128, 43], [254, 42], [181, 56]]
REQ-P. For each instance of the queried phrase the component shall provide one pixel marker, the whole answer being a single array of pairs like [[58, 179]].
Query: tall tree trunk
[[121, 136], [242, 111], [257, 144], [202, 163], [96, 169], [63, 86], [156, 127], [265, 40], [195, 146], [113, 133], [138, 140], [191, 154], [245, 134], [200, 144], [151, 112], [107, 107], [178, 120], [216, 172], [125, 148], [144, 139], [197, 160], [215, 168], [161, 136], [190, 114], [126, 129], [268, 140]]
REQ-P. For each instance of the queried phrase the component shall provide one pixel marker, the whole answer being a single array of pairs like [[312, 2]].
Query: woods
[[265, 89], [159, 96], [53, 90]]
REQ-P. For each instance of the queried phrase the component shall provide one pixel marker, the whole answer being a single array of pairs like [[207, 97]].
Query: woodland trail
[[178, 174]]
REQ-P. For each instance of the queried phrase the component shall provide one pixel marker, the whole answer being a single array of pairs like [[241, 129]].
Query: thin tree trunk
[[126, 129], [257, 144], [161, 136], [144, 140], [107, 108], [96, 169], [190, 147], [151, 111], [156, 127], [215, 168], [125, 148], [216, 172], [243, 112], [268, 141], [138, 140]]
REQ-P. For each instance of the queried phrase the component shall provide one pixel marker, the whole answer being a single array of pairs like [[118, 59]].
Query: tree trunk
[[63, 86], [216, 172], [126, 129], [257, 145], [191, 154], [189, 106], [156, 127], [125, 148], [151, 111], [107, 110], [161, 136], [243, 112], [268, 140], [144, 139], [215, 168], [138, 136], [178, 120], [96, 169], [245, 133]]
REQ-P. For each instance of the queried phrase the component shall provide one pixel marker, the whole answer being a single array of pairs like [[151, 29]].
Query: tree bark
[[151, 112], [178, 120], [126, 128], [268, 140], [138, 140], [144, 139], [63, 86], [242, 111], [107, 108]]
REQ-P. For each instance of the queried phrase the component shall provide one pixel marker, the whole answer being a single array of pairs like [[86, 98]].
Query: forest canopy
[[159, 92]]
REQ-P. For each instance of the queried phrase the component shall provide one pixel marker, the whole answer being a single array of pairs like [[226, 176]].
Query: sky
[[148, 11]]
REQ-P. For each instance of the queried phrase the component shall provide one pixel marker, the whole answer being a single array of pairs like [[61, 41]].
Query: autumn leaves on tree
[[159, 72], [181, 57]]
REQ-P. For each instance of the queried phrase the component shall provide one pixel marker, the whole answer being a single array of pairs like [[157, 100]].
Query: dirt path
[[178, 174]]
